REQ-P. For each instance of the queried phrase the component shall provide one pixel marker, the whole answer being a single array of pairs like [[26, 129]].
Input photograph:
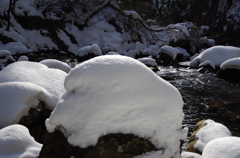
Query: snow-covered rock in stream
[[217, 55], [205, 131], [115, 94], [230, 69], [51, 80]]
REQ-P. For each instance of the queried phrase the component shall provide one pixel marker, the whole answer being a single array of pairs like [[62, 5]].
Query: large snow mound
[[118, 94], [217, 55], [233, 63], [24, 71], [15, 141], [210, 131], [17, 98], [225, 147]]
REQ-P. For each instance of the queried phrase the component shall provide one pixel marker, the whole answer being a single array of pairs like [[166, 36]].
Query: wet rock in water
[[192, 140], [229, 74], [167, 59], [108, 146], [226, 110]]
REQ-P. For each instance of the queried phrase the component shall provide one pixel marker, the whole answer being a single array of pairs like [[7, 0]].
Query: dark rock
[[229, 74], [167, 59], [108, 146], [35, 122]]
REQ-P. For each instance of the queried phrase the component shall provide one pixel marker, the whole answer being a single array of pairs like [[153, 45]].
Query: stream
[[206, 97]]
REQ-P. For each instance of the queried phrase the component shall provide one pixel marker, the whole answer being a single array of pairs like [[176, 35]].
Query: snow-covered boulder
[[184, 52], [170, 55], [217, 55], [17, 98], [25, 71], [89, 50], [118, 94], [23, 58], [230, 69], [148, 61], [207, 131], [233, 63], [56, 64], [225, 147], [15, 141], [5, 57]]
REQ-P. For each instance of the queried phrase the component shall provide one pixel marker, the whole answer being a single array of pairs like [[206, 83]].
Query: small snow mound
[[170, 51], [94, 49], [233, 63], [112, 53], [148, 61], [15, 141], [23, 58], [211, 131], [56, 64], [118, 94], [225, 147]]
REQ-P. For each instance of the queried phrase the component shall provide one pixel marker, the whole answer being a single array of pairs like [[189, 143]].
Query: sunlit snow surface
[[49, 79], [117, 94]]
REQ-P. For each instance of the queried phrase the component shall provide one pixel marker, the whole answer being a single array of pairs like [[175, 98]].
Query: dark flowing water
[[206, 97]]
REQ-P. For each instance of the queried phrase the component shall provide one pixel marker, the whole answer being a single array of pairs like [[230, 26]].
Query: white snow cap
[[211, 131], [233, 63], [148, 61], [118, 94], [56, 64], [25, 71], [17, 98], [225, 147], [4, 57], [94, 49], [218, 54], [170, 51], [23, 58], [15, 141]]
